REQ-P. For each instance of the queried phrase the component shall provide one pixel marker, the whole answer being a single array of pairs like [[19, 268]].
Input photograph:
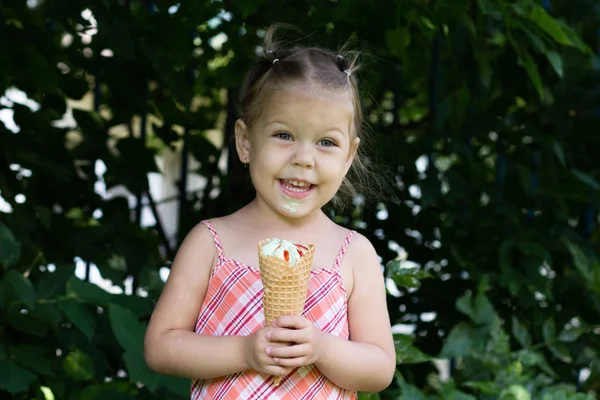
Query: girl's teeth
[[298, 183], [296, 186]]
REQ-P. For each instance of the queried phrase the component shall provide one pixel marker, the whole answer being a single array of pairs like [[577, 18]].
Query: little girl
[[298, 135]]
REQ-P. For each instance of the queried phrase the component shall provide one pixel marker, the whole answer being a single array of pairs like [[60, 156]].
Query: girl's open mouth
[[296, 189]]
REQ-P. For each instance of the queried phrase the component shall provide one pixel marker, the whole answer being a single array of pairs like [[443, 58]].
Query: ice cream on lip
[[286, 250]]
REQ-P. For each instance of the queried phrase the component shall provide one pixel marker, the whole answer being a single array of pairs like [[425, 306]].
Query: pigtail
[[273, 47], [347, 61]]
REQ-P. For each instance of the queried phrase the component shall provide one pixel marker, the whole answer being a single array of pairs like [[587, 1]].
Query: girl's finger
[[291, 363], [287, 335], [300, 350], [291, 322]]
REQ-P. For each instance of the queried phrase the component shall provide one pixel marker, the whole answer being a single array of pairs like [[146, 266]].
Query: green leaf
[[489, 7], [582, 263], [79, 316], [585, 178], [531, 359], [406, 353], [52, 283], [557, 64], [28, 324], [368, 396], [560, 154], [409, 392], [450, 392], [113, 390], [166, 133], [128, 330], [463, 340], [515, 392], [533, 72], [5, 293], [47, 313], [88, 292], [79, 366], [176, 385], [499, 342], [549, 330], [10, 248], [536, 41], [139, 372], [480, 310], [15, 379], [139, 306], [571, 335], [36, 358], [535, 249], [132, 165], [22, 287], [561, 352], [487, 387], [520, 332], [548, 24], [587, 266], [397, 41], [90, 122], [74, 86], [406, 277]]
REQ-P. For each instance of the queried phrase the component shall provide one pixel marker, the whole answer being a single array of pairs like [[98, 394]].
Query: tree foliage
[[486, 112]]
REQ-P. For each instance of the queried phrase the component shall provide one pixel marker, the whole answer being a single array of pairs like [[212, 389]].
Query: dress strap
[[218, 245], [340, 256]]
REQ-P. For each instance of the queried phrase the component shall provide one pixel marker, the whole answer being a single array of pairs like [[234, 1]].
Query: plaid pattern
[[233, 306]]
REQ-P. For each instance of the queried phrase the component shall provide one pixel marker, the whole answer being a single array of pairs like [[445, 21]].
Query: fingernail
[[268, 350], [268, 335]]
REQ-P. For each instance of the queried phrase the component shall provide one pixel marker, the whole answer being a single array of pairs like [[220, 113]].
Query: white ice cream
[[284, 249]]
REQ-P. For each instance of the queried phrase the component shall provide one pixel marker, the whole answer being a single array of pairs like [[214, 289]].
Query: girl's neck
[[268, 217]]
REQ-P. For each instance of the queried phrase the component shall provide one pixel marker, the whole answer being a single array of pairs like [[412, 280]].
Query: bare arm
[[367, 362], [171, 346]]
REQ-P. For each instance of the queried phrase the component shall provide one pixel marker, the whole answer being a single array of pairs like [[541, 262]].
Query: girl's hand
[[306, 341], [257, 358]]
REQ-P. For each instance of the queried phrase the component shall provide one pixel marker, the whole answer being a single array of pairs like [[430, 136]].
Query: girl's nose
[[304, 156]]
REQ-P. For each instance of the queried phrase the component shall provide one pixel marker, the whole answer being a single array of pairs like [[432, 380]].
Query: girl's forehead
[[309, 92], [310, 104]]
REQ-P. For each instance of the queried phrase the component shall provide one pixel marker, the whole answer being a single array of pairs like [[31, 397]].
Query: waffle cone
[[284, 286]]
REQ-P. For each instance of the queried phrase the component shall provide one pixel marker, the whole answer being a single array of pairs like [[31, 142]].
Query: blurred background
[[116, 119]]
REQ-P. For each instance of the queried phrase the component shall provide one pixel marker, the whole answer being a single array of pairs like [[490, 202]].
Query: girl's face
[[299, 149]]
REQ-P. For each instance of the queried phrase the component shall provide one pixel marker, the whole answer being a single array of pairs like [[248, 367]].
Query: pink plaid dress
[[233, 306]]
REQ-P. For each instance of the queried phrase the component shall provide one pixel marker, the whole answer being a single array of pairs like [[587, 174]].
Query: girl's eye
[[327, 143], [283, 135]]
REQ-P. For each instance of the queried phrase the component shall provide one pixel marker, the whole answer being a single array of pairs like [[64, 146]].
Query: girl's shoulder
[[360, 247], [222, 224]]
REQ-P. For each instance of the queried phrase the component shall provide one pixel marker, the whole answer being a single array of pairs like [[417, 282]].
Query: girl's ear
[[352, 153], [242, 144]]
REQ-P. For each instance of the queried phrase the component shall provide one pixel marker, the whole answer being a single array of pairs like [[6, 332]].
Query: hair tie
[[347, 71], [275, 60]]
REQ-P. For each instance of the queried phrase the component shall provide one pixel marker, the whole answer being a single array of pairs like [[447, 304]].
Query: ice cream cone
[[285, 286]]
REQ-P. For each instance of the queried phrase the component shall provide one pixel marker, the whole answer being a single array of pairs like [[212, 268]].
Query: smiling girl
[[299, 133]]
